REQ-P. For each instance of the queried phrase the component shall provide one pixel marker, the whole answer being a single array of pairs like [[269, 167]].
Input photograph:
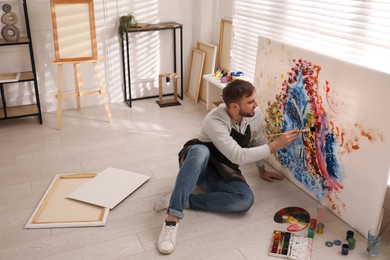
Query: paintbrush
[[306, 130]]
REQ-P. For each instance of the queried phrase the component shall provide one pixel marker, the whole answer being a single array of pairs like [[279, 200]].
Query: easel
[[78, 89], [75, 49]]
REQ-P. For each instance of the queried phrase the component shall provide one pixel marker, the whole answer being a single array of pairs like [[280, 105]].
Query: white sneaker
[[167, 238], [162, 203]]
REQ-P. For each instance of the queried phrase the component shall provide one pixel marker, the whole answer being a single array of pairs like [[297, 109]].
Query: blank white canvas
[[109, 187]]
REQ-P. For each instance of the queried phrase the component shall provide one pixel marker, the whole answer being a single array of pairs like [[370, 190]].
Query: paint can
[[320, 228], [310, 232], [313, 223], [349, 234], [237, 75], [351, 243], [345, 249]]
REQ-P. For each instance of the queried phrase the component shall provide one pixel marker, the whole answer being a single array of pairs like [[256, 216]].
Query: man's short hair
[[236, 90]]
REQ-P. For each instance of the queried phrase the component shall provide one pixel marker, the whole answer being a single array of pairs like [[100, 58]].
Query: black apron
[[226, 169]]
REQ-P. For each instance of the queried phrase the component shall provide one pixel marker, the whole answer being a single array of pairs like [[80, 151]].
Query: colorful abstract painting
[[299, 89]]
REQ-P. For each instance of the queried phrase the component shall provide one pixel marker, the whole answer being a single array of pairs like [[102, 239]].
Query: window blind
[[357, 31]]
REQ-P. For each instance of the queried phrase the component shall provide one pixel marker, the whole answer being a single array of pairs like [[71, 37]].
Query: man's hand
[[284, 140], [269, 176]]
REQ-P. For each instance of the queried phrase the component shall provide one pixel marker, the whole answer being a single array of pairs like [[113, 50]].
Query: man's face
[[248, 105]]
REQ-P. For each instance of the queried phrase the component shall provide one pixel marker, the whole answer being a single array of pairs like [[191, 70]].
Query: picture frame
[[225, 38], [69, 16], [55, 210], [210, 59], [195, 75]]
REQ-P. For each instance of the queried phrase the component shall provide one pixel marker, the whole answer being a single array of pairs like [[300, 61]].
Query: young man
[[231, 135]]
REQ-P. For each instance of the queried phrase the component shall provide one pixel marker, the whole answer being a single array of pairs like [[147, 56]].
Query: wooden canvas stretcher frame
[[54, 209], [225, 38], [195, 75], [208, 66]]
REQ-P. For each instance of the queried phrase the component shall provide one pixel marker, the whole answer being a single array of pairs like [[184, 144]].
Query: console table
[[126, 56]]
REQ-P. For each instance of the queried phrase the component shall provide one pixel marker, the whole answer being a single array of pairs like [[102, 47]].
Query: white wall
[[210, 13], [151, 54]]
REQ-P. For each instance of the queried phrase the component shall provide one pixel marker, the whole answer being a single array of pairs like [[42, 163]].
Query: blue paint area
[[293, 157], [295, 106], [332, 165]]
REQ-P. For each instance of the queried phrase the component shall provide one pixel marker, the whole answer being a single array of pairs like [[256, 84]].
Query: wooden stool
[[78, 88]]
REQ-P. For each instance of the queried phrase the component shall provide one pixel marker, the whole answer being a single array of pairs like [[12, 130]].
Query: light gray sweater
[[216, 128]]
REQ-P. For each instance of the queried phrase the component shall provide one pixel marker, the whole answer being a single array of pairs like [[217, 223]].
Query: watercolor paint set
[[290, 246]]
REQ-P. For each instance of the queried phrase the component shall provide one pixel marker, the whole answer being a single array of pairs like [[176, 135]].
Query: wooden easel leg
[[102, 91], [59, 97], [78, 83]]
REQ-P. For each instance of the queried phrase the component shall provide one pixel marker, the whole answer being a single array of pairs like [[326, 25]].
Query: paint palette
[[297, 217], [290, 246]]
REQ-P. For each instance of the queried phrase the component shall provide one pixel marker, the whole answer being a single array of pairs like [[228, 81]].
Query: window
[[353, 30]]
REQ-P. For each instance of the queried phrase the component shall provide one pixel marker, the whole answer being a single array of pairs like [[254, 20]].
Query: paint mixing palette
[[290, 246], [297, 217]]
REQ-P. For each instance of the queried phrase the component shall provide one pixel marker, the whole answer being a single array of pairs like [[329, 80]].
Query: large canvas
[[344, 163]]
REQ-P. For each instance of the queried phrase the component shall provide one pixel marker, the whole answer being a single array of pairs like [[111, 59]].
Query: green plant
[[125, 22]]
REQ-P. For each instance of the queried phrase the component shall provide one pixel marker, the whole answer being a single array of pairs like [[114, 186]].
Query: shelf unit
[[33, 109]]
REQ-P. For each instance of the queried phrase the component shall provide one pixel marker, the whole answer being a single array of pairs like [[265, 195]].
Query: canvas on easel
[[70, 17], [74, 36]]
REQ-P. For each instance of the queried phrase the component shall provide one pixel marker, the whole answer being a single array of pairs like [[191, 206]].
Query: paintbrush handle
[[297, 131]]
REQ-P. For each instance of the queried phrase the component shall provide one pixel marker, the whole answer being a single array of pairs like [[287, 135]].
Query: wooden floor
[[144, 139]]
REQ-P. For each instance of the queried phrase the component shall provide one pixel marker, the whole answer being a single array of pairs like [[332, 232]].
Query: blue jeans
[[222, 196]]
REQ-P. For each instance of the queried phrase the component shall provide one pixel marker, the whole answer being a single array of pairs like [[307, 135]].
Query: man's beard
[[249, 114]]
